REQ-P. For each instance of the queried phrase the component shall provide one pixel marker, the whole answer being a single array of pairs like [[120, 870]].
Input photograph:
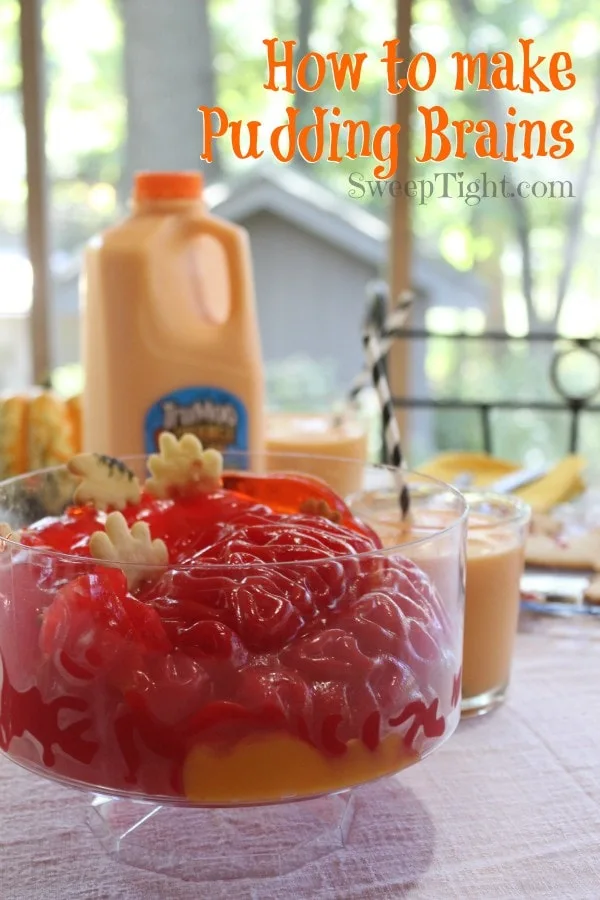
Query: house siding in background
[[314, 254], [310, 295]]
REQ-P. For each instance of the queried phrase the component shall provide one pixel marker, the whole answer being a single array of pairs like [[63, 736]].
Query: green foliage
[[84, 45], [10, 73], [301, 384], [240, 63], [496, 25]]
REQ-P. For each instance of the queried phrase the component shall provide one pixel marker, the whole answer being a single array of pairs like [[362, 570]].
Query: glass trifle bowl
[[239, 645]]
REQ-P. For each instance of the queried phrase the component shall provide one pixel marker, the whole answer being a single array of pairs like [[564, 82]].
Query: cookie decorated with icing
[[105, 482]]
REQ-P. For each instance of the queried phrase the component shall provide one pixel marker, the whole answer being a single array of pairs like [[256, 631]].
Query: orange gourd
[[38, 429]]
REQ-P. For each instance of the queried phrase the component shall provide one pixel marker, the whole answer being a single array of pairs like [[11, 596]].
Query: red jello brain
[[287, 493], [267, 581], [266, 617], [94, 624]]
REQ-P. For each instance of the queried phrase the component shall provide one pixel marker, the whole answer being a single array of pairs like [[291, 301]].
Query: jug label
[[217, 418]]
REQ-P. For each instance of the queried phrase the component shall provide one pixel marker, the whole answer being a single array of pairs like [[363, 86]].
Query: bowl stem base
[[221, 844]]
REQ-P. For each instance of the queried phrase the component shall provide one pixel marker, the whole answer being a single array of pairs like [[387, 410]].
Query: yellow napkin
[[562, 483]]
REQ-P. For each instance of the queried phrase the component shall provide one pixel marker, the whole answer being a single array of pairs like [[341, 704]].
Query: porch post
[[33, 91], [400, 249]]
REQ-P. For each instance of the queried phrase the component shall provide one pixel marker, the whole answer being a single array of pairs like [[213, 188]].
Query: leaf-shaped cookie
[[7, 532], [183, 464], [132, 548], [104, 481]]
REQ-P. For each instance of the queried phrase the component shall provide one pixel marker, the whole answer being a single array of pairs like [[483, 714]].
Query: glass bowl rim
[[521, 511], [92, 562]]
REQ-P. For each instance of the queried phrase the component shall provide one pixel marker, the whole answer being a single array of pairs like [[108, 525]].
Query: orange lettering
[[462, 128], [486, 144], [334, 131], [287, 63], [530, 77], [208, 133], [353, 128], [318, 128], [390, 132], [236, 141], [467, 66], [511, 130], [529, 129], [435, 129], [346, 63], [565, 147], [392, 61], [504, 65], [301, 74], [556, 71], [473, 69], [290, 125], [398, 86], [412, 72]]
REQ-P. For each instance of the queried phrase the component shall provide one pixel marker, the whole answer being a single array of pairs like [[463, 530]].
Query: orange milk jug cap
[[167, 186]]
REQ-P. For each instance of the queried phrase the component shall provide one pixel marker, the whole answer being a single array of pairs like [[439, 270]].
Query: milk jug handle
[[236, 252]]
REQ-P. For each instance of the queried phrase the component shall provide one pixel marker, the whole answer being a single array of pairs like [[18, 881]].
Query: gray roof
[[286, 192]]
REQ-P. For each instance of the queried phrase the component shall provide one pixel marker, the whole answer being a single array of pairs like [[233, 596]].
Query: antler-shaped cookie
[[7, 532], [315, 507], [104, 481], [132, 548], [182, 464]]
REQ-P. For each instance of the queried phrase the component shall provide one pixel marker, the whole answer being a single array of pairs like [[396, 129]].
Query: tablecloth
[[508, 808]]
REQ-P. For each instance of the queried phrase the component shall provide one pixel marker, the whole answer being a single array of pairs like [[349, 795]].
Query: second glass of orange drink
[[497, 528]]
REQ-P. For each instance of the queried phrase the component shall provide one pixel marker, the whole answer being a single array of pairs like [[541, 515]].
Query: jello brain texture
[[267, 617]]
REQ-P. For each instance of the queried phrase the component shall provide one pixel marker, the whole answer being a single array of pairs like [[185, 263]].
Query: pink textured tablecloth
[[508, 808]]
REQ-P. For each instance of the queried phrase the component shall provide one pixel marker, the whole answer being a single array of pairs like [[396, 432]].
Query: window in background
[[15, 270]]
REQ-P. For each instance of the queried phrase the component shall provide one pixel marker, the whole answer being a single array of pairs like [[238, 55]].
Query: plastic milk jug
[[170, 331]]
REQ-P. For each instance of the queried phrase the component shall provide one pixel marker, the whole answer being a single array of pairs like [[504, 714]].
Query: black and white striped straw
[[376, 343], [384, 324]]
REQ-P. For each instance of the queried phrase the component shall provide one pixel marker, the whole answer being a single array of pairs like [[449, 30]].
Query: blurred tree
[[539, 246], [321, 25], [168, 73], [304, 27], [473, 17]]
